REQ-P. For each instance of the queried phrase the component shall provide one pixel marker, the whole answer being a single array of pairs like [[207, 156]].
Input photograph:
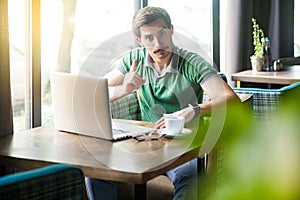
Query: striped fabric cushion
[[126, 107], [58, 181], [266, 101]]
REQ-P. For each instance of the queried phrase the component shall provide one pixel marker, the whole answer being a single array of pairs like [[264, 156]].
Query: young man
[[168, 80]]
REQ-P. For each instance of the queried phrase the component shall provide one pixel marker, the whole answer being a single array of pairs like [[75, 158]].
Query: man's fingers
[[160, 123], [138, 81], [132, 79]]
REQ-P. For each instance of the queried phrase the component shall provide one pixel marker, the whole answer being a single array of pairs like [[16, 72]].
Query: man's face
[[157, 38]]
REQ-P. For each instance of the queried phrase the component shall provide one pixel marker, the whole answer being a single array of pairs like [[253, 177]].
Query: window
[[91, 23], [19, 63], [297, 28], [193, 20], [81, 36], [223, 17]]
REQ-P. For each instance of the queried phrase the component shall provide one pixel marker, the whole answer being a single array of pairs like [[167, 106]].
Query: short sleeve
[[195, 68]]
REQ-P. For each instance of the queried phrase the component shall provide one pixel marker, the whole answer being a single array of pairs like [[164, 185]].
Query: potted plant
[[257, 57]]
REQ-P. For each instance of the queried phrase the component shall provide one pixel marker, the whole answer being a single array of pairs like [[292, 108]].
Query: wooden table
[[124, 161], [288, 76]]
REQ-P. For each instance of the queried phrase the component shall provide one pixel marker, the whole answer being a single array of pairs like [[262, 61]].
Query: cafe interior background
[[42, 36]]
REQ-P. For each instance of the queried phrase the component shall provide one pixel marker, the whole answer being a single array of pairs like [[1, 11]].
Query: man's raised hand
[[133, 80]]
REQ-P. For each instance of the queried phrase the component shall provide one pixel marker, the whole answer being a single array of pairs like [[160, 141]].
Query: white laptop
[[81, 105]]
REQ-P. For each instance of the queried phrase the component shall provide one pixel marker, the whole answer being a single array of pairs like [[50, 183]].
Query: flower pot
[[257, 64]]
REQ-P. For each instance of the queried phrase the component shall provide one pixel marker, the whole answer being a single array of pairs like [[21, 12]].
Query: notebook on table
[[81, 105]]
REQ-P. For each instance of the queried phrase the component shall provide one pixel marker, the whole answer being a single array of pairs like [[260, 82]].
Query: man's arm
[[218, 91], [121, 85], [115, 79]]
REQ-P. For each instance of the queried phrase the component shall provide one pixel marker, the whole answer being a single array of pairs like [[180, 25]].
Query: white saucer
[[184, 132]]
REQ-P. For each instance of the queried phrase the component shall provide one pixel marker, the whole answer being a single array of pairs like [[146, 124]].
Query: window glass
[[192, 19], [18, 19], [81, 36], [223, 14], [297, 28]]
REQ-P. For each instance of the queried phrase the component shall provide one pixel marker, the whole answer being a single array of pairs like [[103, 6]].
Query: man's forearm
[[206, 107], [116, 92]]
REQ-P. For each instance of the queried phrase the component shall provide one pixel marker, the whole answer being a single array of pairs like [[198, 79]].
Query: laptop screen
[[81, 105]]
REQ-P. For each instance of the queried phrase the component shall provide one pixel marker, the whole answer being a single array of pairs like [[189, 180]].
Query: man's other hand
[[188, 113]]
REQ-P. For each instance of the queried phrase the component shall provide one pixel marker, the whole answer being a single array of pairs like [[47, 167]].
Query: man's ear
[[139, 41], [172, 29]]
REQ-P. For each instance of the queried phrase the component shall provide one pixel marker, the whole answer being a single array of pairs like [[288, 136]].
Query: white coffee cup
[[174, 124]]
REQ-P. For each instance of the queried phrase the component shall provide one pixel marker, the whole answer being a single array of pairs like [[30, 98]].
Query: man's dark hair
[[146, 16]]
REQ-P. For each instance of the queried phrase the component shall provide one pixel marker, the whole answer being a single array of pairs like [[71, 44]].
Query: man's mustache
[[160, 49]]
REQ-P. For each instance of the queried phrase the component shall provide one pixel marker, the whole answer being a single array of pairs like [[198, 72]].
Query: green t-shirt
[[173, 91]]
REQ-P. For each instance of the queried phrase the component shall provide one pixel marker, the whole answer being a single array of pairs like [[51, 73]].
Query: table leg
[[201, 170], [140, 191]]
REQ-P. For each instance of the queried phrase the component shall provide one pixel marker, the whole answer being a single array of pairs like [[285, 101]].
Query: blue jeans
[[100, 189], [183, 177]]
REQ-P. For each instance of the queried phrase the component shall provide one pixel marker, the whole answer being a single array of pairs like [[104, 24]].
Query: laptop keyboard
[[124, 131], [120, 134]]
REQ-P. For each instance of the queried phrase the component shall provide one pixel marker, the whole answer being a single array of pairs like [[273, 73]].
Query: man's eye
[[162, 33], [150, 38]]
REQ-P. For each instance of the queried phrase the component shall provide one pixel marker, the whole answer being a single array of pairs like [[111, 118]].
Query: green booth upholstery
[[57, 181], [266, 101], [126, 107]]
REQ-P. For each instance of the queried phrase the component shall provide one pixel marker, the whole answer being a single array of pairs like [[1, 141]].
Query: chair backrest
[[126, 107], [266, 101], [58, 181], [288, 61]]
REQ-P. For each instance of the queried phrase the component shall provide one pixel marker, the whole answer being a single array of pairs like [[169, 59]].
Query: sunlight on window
[[73, 30], [19, 64]]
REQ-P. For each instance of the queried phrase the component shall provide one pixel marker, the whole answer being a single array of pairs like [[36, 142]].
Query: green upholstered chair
[[266, 101], [126, 107], [57, 181]]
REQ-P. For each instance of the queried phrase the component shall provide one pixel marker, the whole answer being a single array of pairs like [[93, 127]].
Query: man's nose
[[157, 42]]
